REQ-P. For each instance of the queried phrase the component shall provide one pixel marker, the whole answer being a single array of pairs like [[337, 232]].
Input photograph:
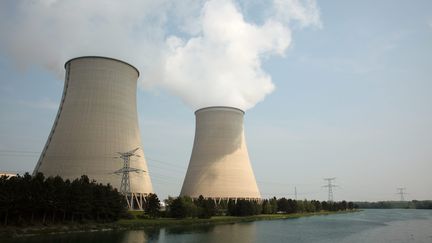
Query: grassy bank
[[163, 222], [137, 223]]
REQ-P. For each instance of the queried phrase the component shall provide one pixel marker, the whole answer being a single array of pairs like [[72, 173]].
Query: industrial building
[[97, 119], [219, 166]]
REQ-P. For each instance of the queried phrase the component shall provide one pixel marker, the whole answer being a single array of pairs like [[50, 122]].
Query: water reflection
[[367, 226], [135, 236], [197, 229], [244, 232], [88, 237]]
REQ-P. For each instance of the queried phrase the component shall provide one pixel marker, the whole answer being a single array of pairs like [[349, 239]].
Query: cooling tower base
[[135, 201], [219, 200]]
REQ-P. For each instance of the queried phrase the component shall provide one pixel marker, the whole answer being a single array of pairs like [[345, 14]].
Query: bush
[[182, 207]]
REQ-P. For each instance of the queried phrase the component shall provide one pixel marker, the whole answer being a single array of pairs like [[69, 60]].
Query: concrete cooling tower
[[219, 166], [97, 118]]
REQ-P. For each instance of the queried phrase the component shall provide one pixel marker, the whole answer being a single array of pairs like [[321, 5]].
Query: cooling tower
[[96, 119], [219, 166]]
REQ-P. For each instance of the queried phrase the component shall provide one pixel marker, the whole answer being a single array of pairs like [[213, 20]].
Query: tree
[[206, 207], [273, 203], [308, 206], [324, 206], [282, 205], [26, 200], [182, 207], [292, 206], [243, 207], [300, 206], [350, 205], [152, 206], [267, 207], [343, 205], [317, 205], [232, 208]]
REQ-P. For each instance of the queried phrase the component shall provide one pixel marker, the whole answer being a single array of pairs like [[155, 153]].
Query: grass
[[164, 222]]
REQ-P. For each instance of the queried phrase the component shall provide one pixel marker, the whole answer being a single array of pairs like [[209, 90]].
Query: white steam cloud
[[214, 58]]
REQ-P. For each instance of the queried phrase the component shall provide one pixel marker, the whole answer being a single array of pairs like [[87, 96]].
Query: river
[[372, 225]]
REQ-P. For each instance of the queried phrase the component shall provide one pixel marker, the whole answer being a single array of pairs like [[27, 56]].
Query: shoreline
[[136, 224]]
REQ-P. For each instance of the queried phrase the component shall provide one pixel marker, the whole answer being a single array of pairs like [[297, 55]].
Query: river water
[[372, 225]]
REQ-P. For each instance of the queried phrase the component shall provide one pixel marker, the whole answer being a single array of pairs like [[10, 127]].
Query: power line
[[165, 176], [330, 187], [169, 169], [165, 162], [282, 183], [157, 180], [264, 193], [158, 165]]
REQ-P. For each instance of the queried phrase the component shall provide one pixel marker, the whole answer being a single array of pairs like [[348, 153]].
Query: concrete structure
[[97, 118], [7, 174], [219, 167]]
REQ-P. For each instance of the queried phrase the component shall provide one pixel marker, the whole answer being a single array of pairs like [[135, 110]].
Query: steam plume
[[214, 59]]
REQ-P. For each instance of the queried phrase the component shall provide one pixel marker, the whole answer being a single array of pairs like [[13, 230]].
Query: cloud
[[205, 52], [49, 32], [305, 12]]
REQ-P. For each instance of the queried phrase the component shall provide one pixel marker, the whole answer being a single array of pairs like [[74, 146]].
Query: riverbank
[[164, 222], [136, 223]]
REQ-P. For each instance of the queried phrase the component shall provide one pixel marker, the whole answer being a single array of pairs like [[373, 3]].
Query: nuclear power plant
[[96, 133], [219, 166], [97, 120]]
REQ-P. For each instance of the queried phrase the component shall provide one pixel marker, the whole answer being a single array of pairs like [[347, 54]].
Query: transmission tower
[[330, 186], [125, 181], [402, 193]]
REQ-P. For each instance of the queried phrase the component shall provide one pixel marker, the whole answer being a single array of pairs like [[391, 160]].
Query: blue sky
[[352, 100]]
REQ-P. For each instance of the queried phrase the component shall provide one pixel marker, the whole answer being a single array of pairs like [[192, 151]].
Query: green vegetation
[[27, 200], [30, 205], [427, 204], [183, 207], [152, 206]]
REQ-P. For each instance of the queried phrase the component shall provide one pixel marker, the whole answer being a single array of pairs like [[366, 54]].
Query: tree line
[[35, 199], [27, 200], [414, 204], [182, 207]]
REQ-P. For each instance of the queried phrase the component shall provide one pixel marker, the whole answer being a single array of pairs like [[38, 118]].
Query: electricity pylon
[[330, 186], [402, 193], [125, 171]]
